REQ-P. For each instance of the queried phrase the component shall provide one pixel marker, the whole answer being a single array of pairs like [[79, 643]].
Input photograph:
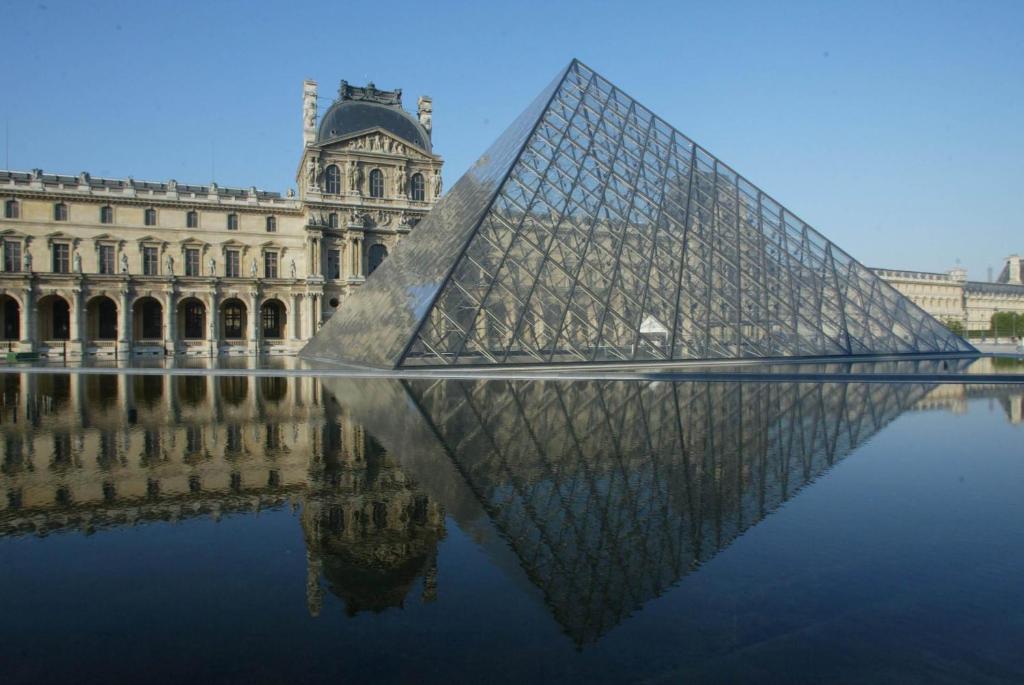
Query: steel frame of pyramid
[[594, 232]]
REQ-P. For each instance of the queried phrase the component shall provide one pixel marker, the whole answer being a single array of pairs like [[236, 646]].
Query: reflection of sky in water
[[277, 528]]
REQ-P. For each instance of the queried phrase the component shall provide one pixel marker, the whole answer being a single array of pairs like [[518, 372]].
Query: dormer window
[[332, 180], [192, 219], [60, 212], [418, 191], [271, 224], [106, 214], [149, 217], [232, 222], [11, 209], [376, 183]]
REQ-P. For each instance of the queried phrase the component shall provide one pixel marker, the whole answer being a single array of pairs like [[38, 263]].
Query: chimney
[[1013, 269], [426, 111], [308, 112]]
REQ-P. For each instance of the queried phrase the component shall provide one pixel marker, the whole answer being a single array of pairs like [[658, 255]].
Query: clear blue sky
[[895, 128]]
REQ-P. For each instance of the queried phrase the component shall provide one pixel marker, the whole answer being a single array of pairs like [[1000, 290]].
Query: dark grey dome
[[349, 116]]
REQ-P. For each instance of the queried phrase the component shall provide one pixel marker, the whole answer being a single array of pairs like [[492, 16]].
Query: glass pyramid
[[593, 231]]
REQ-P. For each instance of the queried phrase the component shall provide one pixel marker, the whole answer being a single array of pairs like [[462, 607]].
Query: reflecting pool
[[288, 528]]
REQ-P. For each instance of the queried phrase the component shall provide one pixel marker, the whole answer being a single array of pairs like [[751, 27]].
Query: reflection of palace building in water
[[951, 297], [111, 267], [87, 452], [606, 493]]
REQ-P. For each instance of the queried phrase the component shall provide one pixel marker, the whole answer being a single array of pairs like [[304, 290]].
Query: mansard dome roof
[[351, 116]]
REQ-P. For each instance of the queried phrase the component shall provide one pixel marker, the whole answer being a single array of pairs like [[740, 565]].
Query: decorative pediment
[[60, 235], [379, 141], [151, 239]]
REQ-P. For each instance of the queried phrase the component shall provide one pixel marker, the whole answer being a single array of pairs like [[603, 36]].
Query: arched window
[[194, 319], [106, 214], [60, 212], [234, 319], [375, 256], [271, 224], [150, 217], [332, 180], [232, 222], [376, 183], [192, 219], [418, 192], [11, 209], [332, 220]]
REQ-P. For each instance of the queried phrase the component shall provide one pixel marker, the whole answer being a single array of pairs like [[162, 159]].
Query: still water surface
[[242, 529]]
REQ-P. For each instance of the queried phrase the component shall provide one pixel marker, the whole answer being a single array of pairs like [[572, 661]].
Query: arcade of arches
[[190, 326]]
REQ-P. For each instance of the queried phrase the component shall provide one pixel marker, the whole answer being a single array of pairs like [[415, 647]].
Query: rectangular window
[[150, 217], [192, 220], [232, 222], [61, 258], [106, 215], [192, 261], [231, 264], [270, 265], [106, 259], [334, 264], [12, 255], [150, 261]]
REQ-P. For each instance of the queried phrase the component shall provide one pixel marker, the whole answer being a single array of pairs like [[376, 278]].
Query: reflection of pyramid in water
[[610, 492], [592, 231]]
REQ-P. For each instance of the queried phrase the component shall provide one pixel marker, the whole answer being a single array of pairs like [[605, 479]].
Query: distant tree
[[956, 326], [1007, 324]]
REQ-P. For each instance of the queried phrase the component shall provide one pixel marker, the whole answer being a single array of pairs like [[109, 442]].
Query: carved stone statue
[[169, 265], [124, 262], [213, 266], [400, 181], [27, 261], [437, 183], [357, 177], [310, 113], [253, 269], [311, 172], [292, 267], [291, 192], [426, 113], [76, 262]]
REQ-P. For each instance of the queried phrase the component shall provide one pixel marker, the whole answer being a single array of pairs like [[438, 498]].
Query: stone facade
[[951, 297], [118, 267]]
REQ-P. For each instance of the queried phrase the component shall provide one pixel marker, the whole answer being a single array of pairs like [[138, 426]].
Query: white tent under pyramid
[[594, 232]]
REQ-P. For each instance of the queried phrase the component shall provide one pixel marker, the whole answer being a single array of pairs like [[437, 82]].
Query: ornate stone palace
[[116, 267], [951, 297]]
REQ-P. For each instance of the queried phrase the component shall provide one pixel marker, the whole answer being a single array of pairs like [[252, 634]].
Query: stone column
[[124, 333], [214, 326], [295, 318], [75, 337], [25, 321], [254, 322], [170, 330], [357, 257]]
